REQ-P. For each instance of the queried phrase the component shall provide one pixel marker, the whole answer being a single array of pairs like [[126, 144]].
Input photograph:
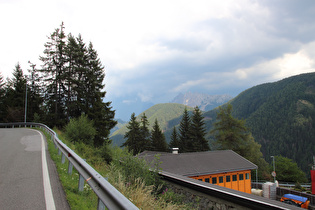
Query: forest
[[68, 83]]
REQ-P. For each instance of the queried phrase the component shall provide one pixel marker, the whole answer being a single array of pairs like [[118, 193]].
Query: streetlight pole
[[25, 102], [274, 168]]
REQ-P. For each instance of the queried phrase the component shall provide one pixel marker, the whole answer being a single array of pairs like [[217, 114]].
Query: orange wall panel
[[237, 180]]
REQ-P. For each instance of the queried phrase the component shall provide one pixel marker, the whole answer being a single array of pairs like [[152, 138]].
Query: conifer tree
[[53, 68], [15, 96], [174, 143], [231, 133], [133, 135], [98, 110], [185, 144], [2, 99], [198, 132], [158, 138], [145, 139], [228, 131], [34, 101]]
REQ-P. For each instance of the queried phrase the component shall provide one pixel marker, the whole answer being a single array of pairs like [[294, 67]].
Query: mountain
[[120, 124], [281, 117], [167, 114], [205, 102]]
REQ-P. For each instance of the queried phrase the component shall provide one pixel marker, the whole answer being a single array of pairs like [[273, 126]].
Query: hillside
[[205, 102], [164, 113], [281, 116]]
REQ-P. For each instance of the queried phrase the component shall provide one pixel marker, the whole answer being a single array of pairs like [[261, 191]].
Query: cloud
[[152, 50]]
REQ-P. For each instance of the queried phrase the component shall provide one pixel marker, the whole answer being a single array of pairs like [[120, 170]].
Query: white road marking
[[49, 198]]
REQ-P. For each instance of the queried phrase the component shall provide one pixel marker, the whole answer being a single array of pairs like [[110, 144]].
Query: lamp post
[[274, 168], [25, 102]]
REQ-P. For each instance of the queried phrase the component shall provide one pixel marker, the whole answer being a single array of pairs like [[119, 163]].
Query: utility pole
[[274, 168], [25, 101]]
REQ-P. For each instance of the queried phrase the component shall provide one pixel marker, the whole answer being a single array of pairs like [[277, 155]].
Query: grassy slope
[[164, 113]]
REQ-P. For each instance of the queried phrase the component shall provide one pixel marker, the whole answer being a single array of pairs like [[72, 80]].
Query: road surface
[[28, 177]]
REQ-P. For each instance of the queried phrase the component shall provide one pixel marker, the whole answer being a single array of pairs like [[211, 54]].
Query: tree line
[[189, 138], [68, 83]]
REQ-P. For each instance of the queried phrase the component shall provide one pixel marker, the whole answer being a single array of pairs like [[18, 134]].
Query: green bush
[[133, 168], [81, 130]]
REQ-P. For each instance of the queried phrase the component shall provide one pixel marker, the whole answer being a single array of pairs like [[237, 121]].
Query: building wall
[[236, 180]]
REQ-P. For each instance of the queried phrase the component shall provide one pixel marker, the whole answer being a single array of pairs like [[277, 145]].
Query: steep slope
[[281, 116], [164, 113]]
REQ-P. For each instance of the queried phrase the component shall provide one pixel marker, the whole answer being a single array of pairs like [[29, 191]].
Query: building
[[222, 167]]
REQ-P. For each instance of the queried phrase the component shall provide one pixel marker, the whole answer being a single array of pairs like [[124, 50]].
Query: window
[[234, 177], [200, 179], [207, 180], [220, 179], [247, 176], [228, 178], [241, 177], [214, 180]]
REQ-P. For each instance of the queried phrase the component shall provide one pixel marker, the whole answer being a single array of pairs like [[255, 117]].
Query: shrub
[[81, 130]]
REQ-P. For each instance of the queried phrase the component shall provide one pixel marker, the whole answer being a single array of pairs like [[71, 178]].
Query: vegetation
[[134, 136], [185, 142], [167, 114], [191, 136], [158, 139], [174, 143], [198, 131], [288, 171], [69, 83], [281, 118], [130, 175], [81, 130], [192, 132], [232, 134]]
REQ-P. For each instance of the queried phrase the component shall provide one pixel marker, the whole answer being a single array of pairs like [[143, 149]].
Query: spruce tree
[[15, 96], [98, 110], [53, 68], [174, 143], [2, 99], [34, 101], [145, 139], [198, 132], [185, 144], [158, 138], [133, 135]]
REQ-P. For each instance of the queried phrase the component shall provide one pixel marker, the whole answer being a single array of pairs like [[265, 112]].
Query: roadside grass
[[85, 199], [136, 189]]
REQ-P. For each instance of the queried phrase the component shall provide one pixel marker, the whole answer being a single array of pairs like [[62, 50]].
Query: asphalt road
[[28, 177]]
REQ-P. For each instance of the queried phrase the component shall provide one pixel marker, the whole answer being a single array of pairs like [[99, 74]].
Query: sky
[[154, 50]]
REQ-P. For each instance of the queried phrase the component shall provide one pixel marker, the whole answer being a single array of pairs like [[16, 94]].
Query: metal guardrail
[[248, 201], [107, 194]]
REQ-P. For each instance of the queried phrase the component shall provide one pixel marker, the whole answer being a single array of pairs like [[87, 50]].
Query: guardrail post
[[59, 151], [70, 167], [63, 158], [81, 183], [100, 205]]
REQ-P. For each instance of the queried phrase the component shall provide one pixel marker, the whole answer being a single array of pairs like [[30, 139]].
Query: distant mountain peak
[[205, 102]]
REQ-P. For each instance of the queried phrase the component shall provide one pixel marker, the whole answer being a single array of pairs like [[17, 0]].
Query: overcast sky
[[153, 50]]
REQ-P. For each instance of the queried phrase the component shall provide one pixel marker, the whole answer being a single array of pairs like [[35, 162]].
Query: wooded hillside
[[281, 116]]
